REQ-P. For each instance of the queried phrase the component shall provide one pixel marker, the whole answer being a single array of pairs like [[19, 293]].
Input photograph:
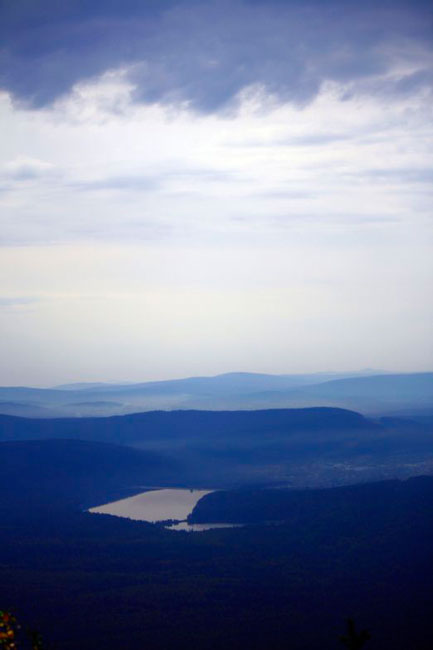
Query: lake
[[159, 505]]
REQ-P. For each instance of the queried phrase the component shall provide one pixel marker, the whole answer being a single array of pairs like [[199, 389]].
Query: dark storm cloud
[[204, 53]]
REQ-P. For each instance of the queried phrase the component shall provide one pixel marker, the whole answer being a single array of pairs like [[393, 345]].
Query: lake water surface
[[159, 505]]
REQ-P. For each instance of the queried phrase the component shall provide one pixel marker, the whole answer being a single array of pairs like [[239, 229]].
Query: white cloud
[[277, 238], [23, 169], [151, 172]]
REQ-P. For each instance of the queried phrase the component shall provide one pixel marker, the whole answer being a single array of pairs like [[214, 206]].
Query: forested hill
[[53, 474], [363, 506], [186, 425], [304, 447]]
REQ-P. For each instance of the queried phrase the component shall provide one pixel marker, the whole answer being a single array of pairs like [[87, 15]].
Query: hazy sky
[[198, 187]]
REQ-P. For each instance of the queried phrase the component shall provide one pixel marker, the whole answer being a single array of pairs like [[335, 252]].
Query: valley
[[278, 524]]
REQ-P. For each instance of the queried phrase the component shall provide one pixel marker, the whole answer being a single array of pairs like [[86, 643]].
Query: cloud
[[133, 183], [164, 179], [24, 169], [401, 176], [80, 170], [7, 302], [206, 54]]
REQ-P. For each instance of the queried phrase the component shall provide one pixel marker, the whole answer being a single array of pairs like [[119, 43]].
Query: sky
[[196, 187]]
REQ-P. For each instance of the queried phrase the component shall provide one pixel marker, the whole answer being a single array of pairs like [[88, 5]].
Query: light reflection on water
[[155, 505], [184, 525], [161, 505]]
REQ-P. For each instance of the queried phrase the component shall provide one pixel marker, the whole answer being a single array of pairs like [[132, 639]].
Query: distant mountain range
[[368, 392]]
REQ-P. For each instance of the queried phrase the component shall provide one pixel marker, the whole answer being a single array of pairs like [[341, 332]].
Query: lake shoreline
[[166, 507]]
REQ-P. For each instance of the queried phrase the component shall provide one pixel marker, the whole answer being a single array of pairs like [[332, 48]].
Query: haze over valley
[[367, 391]]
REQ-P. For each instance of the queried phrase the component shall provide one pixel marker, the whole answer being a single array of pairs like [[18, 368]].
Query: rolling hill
[[316, 446], [48, 474]]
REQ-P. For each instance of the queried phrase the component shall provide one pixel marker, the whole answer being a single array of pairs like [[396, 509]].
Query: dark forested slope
[[362, 504], [94, 581], [48, 474]]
